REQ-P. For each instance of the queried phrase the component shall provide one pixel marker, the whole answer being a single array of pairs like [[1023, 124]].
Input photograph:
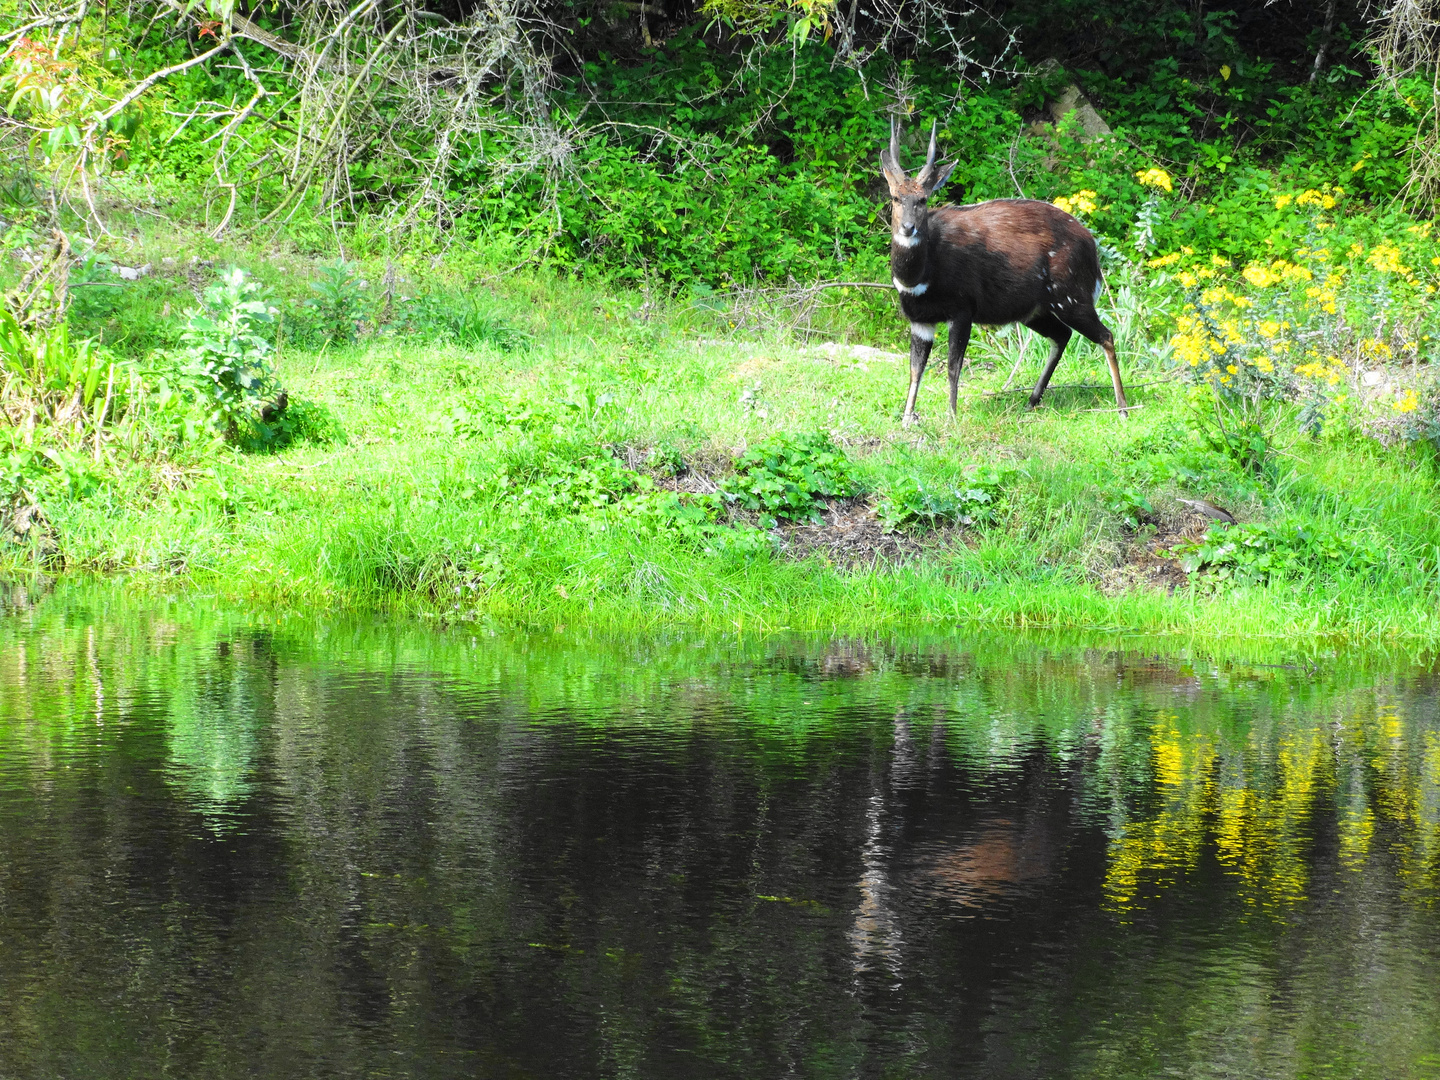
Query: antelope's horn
[[930, 158], [895, 141]]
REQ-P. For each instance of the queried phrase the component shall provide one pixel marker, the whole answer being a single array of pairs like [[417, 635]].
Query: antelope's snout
[[907, 228]]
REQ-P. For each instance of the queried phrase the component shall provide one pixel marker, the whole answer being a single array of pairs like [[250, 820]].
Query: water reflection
[[238, 846]]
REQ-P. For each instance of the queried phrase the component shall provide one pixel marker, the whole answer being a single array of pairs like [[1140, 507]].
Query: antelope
[[993, 263]]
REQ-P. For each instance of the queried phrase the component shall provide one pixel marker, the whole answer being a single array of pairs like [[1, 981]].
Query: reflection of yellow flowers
[[1157, 178], [1408, 403], [1082, 202]]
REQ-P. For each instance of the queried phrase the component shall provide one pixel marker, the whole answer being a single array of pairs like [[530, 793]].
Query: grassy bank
[[544, 452]]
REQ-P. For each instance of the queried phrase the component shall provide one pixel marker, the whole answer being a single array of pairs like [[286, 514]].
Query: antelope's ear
[[894, 175], [936, 180]]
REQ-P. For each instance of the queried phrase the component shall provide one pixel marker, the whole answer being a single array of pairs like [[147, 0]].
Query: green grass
[[434, 501]]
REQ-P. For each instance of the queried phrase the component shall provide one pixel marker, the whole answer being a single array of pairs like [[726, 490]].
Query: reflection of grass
[[1186, 757], [437, 501]]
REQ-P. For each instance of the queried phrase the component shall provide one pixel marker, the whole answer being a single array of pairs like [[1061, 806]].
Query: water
[[239, 847]]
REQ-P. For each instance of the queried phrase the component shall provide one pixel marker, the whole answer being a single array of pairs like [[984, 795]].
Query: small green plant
[[339, 303], [666, 460], [49, 368], [788, 477], [229, 342], [464, 321], [1259, 554], [1130, 506], [911, 505]]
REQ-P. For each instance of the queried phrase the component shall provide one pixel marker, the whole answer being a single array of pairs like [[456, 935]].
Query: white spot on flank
[[1052, 254], [905, 241], [923, 331], [910, 290]]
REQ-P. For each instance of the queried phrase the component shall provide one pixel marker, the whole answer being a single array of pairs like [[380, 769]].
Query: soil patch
[[1144, 561], [849, 536]]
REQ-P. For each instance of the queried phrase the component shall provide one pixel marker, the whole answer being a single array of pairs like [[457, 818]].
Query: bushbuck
[[994, 263]]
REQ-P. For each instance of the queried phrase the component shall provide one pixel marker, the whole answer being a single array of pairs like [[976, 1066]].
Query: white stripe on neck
[[905, 241], [910, 290]]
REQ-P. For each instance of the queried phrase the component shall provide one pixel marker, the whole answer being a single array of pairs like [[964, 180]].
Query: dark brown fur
[[994, 263]]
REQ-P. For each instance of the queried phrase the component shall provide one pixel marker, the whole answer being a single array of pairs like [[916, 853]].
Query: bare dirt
[[1144, 559]]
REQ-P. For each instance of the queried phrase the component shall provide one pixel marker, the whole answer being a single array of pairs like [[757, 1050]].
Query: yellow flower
[[1386, 258], [1157, 178], [1164, 260], [1264, 364], [1269, 328], [1186, 278], [1258, 275], [1232, 369], [1219, 260], [1082, 202], [1282, 201], [1408, 403]]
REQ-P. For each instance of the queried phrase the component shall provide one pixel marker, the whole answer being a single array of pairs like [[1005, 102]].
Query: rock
[[1209, 510], [1073, 101]]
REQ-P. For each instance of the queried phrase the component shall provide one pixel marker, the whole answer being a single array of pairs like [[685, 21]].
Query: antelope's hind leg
[[959, 339], [922, 337], [1049, 326], [1089, 324]]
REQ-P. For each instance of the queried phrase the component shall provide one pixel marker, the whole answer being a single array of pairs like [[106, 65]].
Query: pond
[[235, 844]]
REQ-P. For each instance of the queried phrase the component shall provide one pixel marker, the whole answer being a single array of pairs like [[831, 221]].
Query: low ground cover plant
[[911, 504]]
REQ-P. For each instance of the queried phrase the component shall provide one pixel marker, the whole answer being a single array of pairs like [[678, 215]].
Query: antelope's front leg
[[959, 339], [922, 336]]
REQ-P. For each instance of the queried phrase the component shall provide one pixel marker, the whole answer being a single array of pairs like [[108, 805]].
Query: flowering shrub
[[1082, 202], [1329, 327]]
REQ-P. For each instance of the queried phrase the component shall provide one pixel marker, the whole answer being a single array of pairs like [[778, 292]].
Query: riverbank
[[576, 455]]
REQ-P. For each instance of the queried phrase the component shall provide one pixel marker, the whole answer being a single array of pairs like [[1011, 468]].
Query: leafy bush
[[787, 477], [339, 303], [1258, 554], [911, 505], [48, 368], [229, 342]]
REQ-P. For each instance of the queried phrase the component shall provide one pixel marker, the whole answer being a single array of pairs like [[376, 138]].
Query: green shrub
[[788, 477], [1259, 554], [229, 342], [339, 303], [912, 505]]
